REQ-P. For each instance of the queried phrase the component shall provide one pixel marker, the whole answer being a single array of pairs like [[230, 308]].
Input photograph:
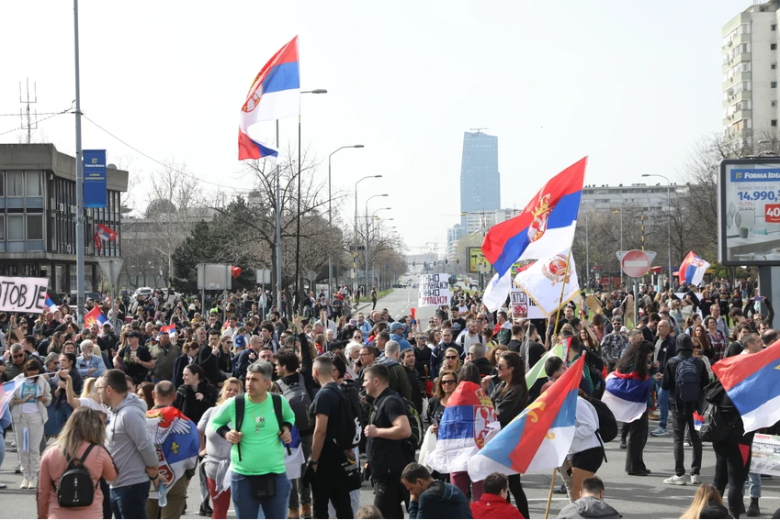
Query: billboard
[[749, 212], [476, 258]]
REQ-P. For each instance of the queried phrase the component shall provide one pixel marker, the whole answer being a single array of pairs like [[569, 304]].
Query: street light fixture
[[669, 219], [367, 233], [330, 210], [354, 253]]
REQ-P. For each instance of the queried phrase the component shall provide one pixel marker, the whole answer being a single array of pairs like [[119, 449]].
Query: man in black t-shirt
[[137, 359], [329, 482], [387, 452]]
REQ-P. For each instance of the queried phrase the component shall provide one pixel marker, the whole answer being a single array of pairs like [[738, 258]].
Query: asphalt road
[[633, 497]]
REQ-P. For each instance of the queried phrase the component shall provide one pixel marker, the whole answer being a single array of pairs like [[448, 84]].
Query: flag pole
[[550, 494], [560, 300]]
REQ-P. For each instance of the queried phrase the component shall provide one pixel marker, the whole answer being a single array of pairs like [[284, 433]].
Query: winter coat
[[440, 500], [190, 405], [588, 507], [493, 506]]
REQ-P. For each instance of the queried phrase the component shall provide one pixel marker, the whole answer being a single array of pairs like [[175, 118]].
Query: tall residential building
[[750, 74], [480, 184]]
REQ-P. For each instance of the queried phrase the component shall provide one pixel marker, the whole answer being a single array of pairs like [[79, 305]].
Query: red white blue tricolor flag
[[540, 437], [692, 269], [752, 382], [274, 94], [626, 395], [468, 423], [95, 315], [542, 230], [167, 329]]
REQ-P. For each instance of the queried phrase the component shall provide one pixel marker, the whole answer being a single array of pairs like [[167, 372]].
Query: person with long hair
[[195, 395], [700, 333], [144, 391], [634, 365], [82, 438], [494, 354], [510, 398], [707, 503], [28, 411], [446, 384], [716, 339], [451, 360], [216, 451]]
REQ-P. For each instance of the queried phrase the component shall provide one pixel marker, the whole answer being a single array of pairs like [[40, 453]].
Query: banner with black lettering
[[20, 294], [434, 290], [524, 307]]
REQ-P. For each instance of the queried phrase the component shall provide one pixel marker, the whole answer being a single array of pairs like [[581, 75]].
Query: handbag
[[352, 475], [263, 486]]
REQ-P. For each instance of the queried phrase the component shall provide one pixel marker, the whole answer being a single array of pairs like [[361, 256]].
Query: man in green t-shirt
[[259, 483]]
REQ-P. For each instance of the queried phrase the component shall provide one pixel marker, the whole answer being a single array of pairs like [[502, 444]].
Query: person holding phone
[[136, 358]]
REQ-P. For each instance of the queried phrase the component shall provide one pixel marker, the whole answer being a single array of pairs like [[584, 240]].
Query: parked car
[[143, 291]]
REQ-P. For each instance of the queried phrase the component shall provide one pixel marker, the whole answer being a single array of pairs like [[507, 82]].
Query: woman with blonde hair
[[216, 451], [707, 503], [451, 361], [445, 386], [82, 438]]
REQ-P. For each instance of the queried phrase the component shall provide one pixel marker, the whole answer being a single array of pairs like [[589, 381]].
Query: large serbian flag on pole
[[626, 395], [543, 229], [468, 423], [752, 382], [692, 269], [540, 437], [274, 94]]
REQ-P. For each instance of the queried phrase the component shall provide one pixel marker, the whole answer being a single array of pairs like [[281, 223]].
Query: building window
[[772, 46], [15, 184], [34, 227], [33, 184], [15, 227], [773, 84], [2, 227]]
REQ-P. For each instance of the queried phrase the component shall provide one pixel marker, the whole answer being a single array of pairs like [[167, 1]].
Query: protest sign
[[524, 307], [19, 294], [765, 454], [434, 290]]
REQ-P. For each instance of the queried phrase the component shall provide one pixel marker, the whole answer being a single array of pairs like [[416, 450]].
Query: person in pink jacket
[[494, 501], [85, 428]]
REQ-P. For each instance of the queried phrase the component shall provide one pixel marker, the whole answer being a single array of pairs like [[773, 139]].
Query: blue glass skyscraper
[[480, 184]]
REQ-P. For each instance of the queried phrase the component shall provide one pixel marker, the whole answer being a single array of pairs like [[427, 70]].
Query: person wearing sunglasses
[[445, 386], [15, 358]]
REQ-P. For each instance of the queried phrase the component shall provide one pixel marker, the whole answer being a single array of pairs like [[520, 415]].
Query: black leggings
[[516, 488], [732, 468]]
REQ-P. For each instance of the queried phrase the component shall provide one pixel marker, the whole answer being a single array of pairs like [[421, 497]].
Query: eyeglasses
[[17, 356], [448, 382], [450, 357], [363, 355], [501, 367]]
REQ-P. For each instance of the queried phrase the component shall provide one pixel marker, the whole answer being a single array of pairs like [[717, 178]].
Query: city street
[[633, 497]]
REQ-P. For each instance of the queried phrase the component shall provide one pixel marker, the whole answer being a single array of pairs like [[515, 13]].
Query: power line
[[55, 114], [186, 174]]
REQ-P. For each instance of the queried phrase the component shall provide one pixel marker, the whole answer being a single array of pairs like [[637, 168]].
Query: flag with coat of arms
[[550, 282]]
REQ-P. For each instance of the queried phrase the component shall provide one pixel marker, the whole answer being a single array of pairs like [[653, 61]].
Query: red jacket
[[493, 506]]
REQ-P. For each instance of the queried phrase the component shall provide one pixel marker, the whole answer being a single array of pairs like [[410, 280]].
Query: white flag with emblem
[[544, 280]]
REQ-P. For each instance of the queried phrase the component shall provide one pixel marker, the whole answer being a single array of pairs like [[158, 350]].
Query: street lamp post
[[587, 249], [330, 212], [367, 242], [357, 241], [669, 218], [373, 229], [300, 196]]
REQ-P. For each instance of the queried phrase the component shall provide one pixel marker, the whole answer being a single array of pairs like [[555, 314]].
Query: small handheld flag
[[94, 315], [692, 269]]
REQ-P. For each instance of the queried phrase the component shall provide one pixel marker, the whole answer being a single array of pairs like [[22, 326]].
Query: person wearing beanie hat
[[685, 377]]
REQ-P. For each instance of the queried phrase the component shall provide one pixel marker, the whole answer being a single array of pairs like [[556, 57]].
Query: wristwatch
[[314, 462]]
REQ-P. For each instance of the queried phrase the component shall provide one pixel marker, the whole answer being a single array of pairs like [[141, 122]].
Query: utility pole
[[27, 102], [79, 176]]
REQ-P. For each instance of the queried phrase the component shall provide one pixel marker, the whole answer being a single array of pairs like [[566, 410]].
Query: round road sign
[[635, 263]]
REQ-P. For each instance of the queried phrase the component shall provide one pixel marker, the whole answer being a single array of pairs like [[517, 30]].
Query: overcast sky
[[633, 85]]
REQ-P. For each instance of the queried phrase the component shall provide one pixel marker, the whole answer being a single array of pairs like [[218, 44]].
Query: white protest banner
[[524, 307], [18, 294], [765, 454], [434, 290]]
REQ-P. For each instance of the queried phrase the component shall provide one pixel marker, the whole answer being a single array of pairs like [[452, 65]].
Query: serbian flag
[[626, 395], [167, 329], [95, 315], [50, 303], [105, 233], [468, 423], [698, 420], [539, 438], [692, 269], [752, 382], [176, 441], [274, 94]]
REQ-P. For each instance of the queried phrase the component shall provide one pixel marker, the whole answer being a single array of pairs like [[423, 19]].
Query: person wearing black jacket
[[189, 356], [422, 354], [195, 395], [408, 361], [510, 398], [207, 359], [476, 355], [683, 411]]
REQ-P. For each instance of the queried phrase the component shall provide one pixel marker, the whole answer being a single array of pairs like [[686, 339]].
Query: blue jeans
[[248, 506], [130, 501], [663, 404], [755, 485]]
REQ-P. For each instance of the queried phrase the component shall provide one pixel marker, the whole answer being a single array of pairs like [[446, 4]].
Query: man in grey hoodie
[[129, 445], [591, 502]]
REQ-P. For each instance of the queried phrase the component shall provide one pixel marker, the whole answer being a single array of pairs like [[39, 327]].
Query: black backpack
[[75, 488], [349, 432], [241, 405], [715, 428], [300, 402], [608, 428], [686, 380]]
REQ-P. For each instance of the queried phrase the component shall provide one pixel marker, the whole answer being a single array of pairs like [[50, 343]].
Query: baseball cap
[[396, 325], [134, 334], [239, 341]]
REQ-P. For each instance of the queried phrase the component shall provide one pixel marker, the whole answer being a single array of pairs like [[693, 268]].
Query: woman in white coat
[[586, 452], [28, 410]]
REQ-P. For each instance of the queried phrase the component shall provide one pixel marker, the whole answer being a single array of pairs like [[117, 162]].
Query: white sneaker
[[678, 481], [24, 483], [695, 480], [32, 483]]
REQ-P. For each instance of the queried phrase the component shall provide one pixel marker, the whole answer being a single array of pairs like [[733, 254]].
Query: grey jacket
[[128, 442], [588, 507]]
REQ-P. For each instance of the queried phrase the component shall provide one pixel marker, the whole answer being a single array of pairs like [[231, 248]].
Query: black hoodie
[[684, 351]]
